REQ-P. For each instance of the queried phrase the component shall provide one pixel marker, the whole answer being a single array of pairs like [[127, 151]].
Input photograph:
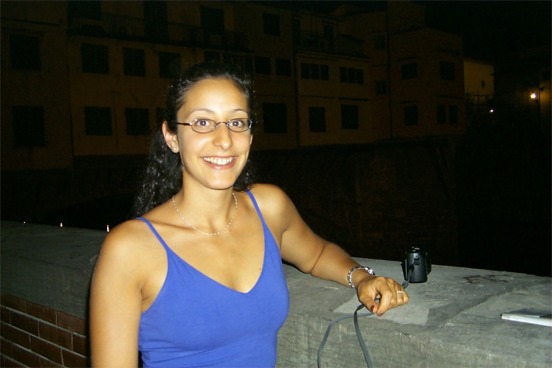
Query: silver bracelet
[[353, 269]]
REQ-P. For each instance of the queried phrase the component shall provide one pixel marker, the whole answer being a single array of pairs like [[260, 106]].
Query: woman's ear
[[171, 138]]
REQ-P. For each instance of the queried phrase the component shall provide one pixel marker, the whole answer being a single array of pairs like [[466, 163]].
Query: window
[[409, 71], [324, 72], [411, 115], [447, 70], [453, 114], [379, 42], [274, 117], [315, 71], [283, 67], [271, 24], [317, 119], [381, 87], [349, 116], [169, 64], [262, 65], [25, 52], [28, 126], [134, 62], [305, 71], [441, 114], [95, 58], [97, 121], [137, 121], [351, 75]]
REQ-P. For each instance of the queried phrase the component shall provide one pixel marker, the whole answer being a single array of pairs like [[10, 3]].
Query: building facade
[[86, 79]]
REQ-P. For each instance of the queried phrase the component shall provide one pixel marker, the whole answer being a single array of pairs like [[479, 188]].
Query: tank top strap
[[252, 197], [157, 235]]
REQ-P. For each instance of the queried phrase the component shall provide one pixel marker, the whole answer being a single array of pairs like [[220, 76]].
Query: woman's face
[[213, 159]]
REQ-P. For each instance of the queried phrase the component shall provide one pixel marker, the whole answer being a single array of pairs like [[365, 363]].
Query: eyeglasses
[[209, 125]]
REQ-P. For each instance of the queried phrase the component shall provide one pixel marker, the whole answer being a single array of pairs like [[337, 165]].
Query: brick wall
[[37, 336]]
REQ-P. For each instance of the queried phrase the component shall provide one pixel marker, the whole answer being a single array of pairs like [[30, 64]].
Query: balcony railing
[[342, 44], [130, 28]]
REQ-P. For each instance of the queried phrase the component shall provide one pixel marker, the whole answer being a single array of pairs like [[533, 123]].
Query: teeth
[[219, 160]]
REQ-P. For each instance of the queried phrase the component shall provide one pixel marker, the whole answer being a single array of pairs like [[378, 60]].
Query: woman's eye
[[203, 122], [237, 122]]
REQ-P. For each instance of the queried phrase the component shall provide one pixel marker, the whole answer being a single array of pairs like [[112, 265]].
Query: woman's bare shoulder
[[130, 240], [269, 193], [274, 203]]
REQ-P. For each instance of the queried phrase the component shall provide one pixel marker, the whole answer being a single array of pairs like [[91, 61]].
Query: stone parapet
[[453, 319]]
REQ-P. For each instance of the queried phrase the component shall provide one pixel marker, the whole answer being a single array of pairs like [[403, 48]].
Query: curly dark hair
[[162, 175]]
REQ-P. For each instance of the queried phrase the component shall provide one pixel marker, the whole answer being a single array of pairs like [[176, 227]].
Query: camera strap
[[360, 339]]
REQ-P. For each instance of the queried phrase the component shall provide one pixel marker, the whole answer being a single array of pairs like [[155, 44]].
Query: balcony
[[137, 29], [340, 45], [453, 320]]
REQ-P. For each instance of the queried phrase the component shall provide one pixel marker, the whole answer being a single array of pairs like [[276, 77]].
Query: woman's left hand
[[379, 294]]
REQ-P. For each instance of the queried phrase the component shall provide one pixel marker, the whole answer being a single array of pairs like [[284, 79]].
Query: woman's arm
[[115, 303], [311, 254]]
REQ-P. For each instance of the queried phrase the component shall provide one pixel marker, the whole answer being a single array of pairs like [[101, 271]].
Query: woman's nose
[[222, 136]]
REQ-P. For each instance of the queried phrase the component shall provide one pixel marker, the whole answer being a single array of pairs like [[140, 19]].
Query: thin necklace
[[204, 232]]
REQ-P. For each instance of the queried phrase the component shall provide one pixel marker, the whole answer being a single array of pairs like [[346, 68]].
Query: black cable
[[360, 339]]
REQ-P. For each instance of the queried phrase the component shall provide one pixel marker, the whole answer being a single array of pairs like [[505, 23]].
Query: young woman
[[197, 279]]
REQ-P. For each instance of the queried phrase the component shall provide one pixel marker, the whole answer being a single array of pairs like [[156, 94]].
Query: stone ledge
[[453, 319]]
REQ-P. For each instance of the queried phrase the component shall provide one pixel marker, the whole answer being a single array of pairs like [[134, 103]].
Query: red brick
[[5, 314], [55, 335], [15, 335], [45, 349], [48, 363], [71, 359], [71, 323], [6, 362], [24, 322], [41, 312], [6, 347], [13, 302], [25, 356], [80, 345]]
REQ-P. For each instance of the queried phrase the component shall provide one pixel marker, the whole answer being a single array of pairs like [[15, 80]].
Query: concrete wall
[[453, 319]]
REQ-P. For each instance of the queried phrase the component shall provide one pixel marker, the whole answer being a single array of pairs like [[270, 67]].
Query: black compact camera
[[416, 265]]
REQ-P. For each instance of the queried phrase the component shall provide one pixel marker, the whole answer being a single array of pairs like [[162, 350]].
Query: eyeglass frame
[[215, 126]]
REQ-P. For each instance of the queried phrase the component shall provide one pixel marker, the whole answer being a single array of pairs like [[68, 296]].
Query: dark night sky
[[491, 29]]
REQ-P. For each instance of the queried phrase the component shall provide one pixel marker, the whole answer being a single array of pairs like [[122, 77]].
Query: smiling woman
[[197, 279]]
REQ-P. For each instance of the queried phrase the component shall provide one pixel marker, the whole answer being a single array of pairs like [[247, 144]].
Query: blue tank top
[[198, 322]]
